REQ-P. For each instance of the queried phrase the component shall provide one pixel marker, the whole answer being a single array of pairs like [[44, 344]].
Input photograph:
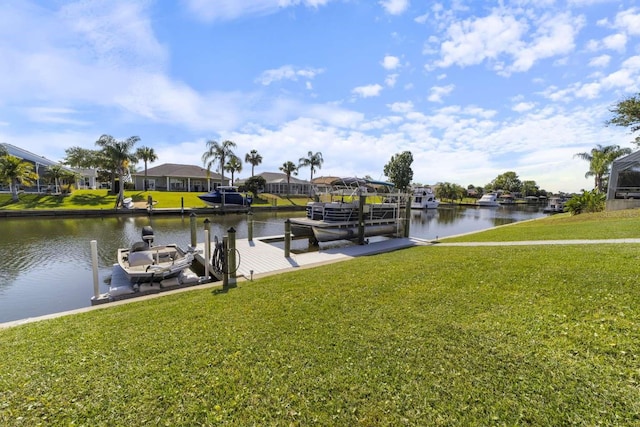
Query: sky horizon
[[471, 89]]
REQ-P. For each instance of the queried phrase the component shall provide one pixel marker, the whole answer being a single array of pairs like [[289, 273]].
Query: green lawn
[[449, 336], [601, 225], [101, 199]]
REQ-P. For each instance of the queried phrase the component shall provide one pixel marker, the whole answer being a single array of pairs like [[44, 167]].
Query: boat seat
[[139, 246]]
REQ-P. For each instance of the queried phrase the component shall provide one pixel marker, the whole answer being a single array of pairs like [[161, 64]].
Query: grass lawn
[[450, 336], [601, 225], [101, 199]]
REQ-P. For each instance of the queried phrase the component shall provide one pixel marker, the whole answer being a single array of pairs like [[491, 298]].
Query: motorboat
[[225, 195], [555, 205], [145, 262], [424, 198], [507, 199], [351, 210], [489, 199]]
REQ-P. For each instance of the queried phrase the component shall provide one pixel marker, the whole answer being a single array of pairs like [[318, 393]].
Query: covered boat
[[225, 195]]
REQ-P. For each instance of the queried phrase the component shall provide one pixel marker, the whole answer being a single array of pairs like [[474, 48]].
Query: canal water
[[45, 263]]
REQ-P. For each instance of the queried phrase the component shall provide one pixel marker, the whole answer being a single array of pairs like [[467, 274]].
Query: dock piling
[[232, 256], [250, 226], [94, 265], [192, 219], [287, 238]]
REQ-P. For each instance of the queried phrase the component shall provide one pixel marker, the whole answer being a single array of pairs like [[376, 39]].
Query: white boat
[[555, 205], [144, 262], [424, 198], [489, 199], [338, 216]]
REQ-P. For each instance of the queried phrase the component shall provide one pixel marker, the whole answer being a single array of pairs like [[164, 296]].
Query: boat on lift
[[352, 209], [225, 195]]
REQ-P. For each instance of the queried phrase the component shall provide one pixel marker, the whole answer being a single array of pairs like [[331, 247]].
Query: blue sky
[[473, 89]]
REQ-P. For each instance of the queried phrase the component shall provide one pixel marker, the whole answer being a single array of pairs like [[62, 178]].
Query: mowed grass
[[450, 336], [102, 199], [622, 224]]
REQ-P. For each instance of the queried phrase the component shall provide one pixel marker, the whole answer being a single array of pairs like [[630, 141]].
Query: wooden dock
[[260, 258]]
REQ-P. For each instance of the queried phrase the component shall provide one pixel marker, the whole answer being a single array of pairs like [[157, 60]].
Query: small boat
[[489, 199], [506, 199], [225, 195], [424, 198], [144, 262], [555, 205]]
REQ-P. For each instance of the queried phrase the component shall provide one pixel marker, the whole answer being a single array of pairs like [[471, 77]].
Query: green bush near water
[[523, 335]]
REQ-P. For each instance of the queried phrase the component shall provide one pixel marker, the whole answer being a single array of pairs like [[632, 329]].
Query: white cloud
[[287, 72], [367, 91], [629, 21], [401, 107], [437, 92], [390, 62], [391, 80], [521, 107], [615, 42], [395, 7], [224, 10], [601, 61], [501, 36]]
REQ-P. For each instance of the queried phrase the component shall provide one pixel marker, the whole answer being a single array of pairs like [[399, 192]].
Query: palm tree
[[254, 158], [146, 154], [55, 173], [289, 168], [233, 165], [312, 160], [218, 152], [600, 159], [118, 155], [15, 171]]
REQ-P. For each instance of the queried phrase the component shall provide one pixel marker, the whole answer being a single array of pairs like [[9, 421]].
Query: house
[[40, 164], [177, 177], [276, 183], [623, 191]]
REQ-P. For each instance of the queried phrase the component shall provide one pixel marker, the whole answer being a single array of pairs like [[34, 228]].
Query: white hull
[[155, 263]]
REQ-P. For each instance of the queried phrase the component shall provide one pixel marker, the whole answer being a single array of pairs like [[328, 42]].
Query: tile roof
[[177, 170]]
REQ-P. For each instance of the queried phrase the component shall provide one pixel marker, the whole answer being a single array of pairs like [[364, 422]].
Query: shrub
[[588, 201]]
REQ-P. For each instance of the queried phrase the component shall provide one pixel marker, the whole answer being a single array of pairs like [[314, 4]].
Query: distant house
[[623, 191], [176, 177], [276, 183], [40, 164]]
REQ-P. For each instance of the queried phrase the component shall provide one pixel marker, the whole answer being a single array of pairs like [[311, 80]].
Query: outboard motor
[[147, 235]]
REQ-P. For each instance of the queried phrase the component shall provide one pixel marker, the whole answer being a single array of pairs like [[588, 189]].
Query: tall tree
[[399, 171], [218, 153], [600, 159], [289, 168], [233, 165], [118, 155], [254, 158], [78, 157], [15, 171], [146, 154], [627, 114], [507, 181]]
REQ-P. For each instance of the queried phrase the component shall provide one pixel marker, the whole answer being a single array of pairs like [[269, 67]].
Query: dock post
[[225, 262], [361, 202], [250, 226], [407, 216], [150, 204], [287, 238], [232, 255], [94, 265], [207, 229], [207, 253], [194, 239]]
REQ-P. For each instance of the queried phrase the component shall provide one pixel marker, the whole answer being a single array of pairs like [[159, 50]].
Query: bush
[[588, 201]]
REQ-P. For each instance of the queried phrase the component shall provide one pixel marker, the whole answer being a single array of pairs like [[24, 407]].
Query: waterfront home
[[177, 177]]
